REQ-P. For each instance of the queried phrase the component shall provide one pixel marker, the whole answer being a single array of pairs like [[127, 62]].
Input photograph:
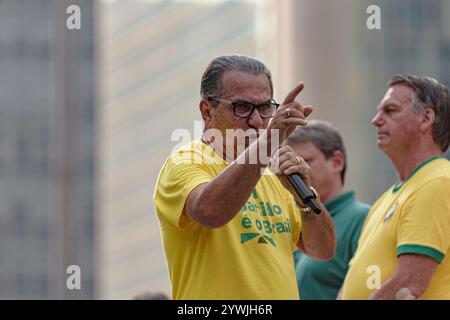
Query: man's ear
[[338, 161], [428, 119], [205, 109]]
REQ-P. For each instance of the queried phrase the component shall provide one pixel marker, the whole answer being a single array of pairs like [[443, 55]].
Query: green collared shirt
[[321, 280]]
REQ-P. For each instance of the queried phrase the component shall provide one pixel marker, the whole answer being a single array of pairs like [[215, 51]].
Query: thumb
[[307, 110]]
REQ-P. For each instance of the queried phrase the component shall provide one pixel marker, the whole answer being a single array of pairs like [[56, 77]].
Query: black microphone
[[305, 194]]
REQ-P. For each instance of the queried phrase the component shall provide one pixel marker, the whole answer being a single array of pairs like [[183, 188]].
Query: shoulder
[[356, 214], [434, 173], [193, 154], [431, 187], [361, 208], [427, 200], [441, 167], [184, 162], [187, 153], [358, 210]]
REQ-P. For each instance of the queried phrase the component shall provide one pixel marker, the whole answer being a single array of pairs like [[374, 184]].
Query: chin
[[384, 147], [380, 145], [382, 141]]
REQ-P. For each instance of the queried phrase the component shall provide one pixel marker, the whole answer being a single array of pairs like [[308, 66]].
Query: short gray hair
[[323, 136], [429, 93], [211, 85]]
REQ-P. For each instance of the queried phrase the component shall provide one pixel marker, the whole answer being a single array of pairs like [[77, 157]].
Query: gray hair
[[429, 93], [211, 85], [323, 136]]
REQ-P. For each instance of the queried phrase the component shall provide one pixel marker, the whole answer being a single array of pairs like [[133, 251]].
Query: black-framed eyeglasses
[[244, 109]]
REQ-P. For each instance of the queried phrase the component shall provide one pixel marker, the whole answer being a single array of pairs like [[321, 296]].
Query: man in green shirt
[[322, 148]]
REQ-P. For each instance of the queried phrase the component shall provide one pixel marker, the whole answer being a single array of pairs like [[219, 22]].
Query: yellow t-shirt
[[412, 218], [251, 257]]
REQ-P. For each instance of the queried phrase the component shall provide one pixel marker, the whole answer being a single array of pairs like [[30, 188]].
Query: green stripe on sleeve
[[419, 249]]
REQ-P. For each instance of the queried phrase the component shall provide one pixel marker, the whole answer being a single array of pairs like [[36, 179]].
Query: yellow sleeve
[[296, 220], [176, 181], [425, 223]]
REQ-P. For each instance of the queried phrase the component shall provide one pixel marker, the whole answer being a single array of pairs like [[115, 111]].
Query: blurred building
[[151, 57], [46, 150]]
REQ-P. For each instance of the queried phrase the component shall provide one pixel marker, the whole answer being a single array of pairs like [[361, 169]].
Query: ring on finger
[[288, 113], [298, 160]]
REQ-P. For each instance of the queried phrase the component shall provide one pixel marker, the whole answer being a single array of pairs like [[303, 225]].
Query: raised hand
[[290, 114]]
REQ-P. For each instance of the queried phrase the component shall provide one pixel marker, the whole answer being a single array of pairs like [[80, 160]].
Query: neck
[[407, 161], [335, 190]]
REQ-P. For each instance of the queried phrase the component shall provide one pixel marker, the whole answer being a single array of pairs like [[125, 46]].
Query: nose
[[377, 120], [255, 120]]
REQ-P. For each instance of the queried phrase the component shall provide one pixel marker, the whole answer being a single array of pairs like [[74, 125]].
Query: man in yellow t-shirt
[[228, 224], [403, 251]]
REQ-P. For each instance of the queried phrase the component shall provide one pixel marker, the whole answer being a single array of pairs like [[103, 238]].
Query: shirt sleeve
[[176, 181], [296, 222], [425, 223]]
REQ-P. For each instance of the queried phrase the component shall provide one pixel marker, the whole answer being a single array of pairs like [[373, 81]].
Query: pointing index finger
[[294, 93]]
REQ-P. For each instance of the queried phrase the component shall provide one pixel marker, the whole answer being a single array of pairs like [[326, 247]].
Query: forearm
[[226, 194], [318, 238], [410, 280], [397, 288]]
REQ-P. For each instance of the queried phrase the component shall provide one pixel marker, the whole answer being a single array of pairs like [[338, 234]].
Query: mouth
[[382, 138], [252, 133]]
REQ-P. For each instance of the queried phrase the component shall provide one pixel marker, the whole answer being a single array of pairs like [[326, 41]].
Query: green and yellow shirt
[[411, 218]]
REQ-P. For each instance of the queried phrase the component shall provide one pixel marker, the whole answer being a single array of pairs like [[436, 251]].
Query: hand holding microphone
[[307, 197], [294, 173]]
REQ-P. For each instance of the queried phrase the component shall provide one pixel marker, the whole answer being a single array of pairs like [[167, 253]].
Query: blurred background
[[86, 116]]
